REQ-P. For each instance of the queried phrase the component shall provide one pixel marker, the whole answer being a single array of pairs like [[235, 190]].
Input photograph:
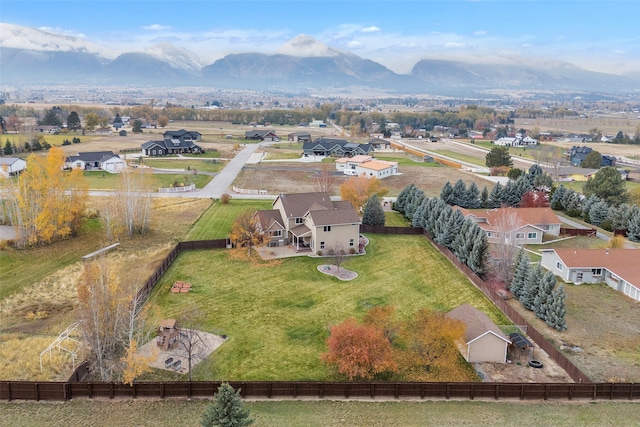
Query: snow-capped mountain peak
[[307, 47], [18, 37], [176, 57]]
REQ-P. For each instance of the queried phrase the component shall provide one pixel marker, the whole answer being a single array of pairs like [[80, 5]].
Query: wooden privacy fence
[[589, 232], [15, 390]]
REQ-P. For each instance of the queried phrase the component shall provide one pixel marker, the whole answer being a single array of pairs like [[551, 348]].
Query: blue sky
[[598, 35]]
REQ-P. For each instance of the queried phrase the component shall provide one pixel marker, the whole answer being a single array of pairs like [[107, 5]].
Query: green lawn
[[324, 413], [215, 222], [395, 219], [277, 314], [283, 155]]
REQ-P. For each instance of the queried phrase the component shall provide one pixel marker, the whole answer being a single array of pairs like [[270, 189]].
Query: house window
[[276, 233], [321, 245], [327, 228], [559, 265], [490, 234], [153, 152], [596, 271], [519, 235], [351, 242], [299, 220], [532, 235]]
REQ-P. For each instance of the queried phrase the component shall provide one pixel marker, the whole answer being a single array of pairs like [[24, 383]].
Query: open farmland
[[277, 313]]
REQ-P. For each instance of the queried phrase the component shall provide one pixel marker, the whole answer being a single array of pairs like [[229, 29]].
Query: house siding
[[487, 348]]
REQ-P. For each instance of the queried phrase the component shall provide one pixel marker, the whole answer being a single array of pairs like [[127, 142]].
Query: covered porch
[[301, 238]]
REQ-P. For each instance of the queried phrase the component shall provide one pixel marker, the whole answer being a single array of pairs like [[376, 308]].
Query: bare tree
[[325, 179], [191, 344], [505, 248], [134, 200], [339, 255]]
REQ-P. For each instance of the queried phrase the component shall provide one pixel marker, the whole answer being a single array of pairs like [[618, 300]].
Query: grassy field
[[277, 313], [458, 156], [284, 155], [395, 219], [406, 160], [109, 181], [188, 165], [215, 222], [326, 413]]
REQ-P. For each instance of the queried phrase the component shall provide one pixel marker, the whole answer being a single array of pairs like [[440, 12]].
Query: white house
[[11, 166], [618, 268], [367, 165], [96, 160]]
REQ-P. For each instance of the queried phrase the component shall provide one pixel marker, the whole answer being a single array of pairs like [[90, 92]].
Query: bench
[[168, 363]]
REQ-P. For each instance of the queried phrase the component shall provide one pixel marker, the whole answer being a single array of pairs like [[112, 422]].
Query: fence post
[[472, 391], [37, 392], [346, 390], [497, 394], [372, 391], [295, 391], [111, 388], [133, 386], [162, 390], [9, 391]]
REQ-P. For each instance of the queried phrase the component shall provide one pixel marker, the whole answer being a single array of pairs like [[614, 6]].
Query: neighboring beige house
[[11, 166], [367, 165], [618, 268], [484, 341], [524, 225], [311, 222], [96, 160]]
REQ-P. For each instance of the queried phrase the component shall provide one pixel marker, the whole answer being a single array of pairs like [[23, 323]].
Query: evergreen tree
[[598, 213], [557, 197], [402, 197], [51, 118], [73, 121], [557, 310], [472, 197], [619, 216], [420, 215], [520, 274], [452, 228], [8, 148], [478, 258], [227, 410], [416, 199], [459, 194], [440, 231], [463, 243], [633, 231], [437, 206], [447, 193], [544, 297], [607, 184], [373, 213], [530, 289], [495, 197], [586, 205], [571, 202], [484, 197], [498, 156]]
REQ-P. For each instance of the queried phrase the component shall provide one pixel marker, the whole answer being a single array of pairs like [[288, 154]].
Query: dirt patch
[[519, 370]]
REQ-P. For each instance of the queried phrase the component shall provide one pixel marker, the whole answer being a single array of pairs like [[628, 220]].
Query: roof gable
[[477, 323]]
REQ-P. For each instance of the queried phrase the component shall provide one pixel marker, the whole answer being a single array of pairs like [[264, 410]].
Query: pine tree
[[436, 208], [420, 215], [373, 213], [440, 231], [484, 198], [530, 289], [619, 216], [473, 197], [412, 205], [633, 232], [227, 410], [586, 205], [495, 197], [459, 194], [544, 297], [557, 310], [572, 203], [520, 274], [447, 193], [402, 197], [462, 245], [8, 148], [598, 213], [73, 121], [478, 258], [556, 198]]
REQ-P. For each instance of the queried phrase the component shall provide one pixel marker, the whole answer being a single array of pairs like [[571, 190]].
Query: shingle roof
[[377, 165], [622, 262], [297, 204], [335, 216], [269, 218], [8, 161], [476, 321], [524, 216], [94, 156]]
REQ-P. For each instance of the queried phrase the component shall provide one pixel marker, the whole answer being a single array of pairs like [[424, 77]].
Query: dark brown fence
[[589, 232], [145, 290], [10, 390], [381, 229]]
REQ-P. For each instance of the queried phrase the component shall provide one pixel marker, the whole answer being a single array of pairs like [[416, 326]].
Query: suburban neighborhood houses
[[367, 165], [173, 142], [11, 166], [618, 268], [106, 161]]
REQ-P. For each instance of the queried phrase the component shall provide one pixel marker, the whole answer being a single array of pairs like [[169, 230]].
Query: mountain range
[[30, 56]]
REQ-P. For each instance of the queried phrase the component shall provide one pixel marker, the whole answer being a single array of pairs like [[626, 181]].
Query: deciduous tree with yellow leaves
[[46, 202], [358, 189]]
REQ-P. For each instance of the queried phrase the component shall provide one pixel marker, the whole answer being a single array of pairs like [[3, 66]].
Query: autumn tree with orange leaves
[[420, 348], [359, 351], [246, 232], [46, 202], [359, 189]]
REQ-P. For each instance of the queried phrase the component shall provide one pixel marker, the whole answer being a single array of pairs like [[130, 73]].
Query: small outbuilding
[[168, 334], [484, 341]]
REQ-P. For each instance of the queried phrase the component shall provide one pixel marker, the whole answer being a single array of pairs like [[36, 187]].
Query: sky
[[596, 35]]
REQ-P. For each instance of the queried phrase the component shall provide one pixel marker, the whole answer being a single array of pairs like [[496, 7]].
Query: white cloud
[[371, 29], [156, 27], [480, 33], [354, 44], [454, 45]]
